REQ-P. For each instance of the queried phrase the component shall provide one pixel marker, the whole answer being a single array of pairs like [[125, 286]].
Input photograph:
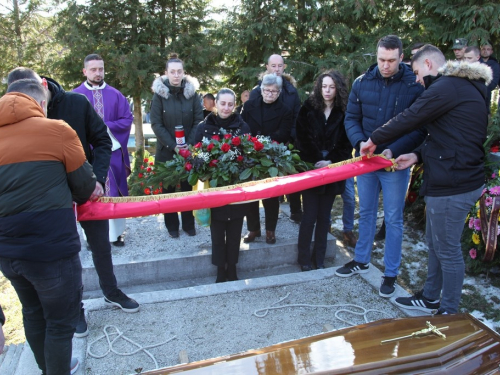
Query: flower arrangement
[[482, 220], [144, 170], [228, 160]]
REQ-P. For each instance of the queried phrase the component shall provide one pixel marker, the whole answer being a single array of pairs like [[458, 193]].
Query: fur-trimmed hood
[[189, 85], [286, 76], [464, 69]]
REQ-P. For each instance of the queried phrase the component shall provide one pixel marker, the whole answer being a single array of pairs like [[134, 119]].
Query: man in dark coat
[[453, 111], [77, 111], [386, 89], [488, 59]]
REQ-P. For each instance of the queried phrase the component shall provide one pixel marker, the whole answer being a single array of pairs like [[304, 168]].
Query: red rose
[[185, 153], [254, 139], [216, 138], [142, 183], [412, 196], [258, 146], [225, 147], [494, 148], [239, 158], [147, 191], [188, 166], [156, 191], [142, 166], [141, 175], [210, 147], [146, 160], [149, 169], [227, 136], [236, 141], [198, 145], [213, 163], [151, 163]]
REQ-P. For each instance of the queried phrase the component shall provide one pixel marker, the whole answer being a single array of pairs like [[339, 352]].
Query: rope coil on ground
[[261, 313], [119, 335]]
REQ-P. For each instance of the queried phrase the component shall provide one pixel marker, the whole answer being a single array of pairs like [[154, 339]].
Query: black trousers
[[271, 209], [97, 232], [172, 219], [226, 237], [295, 202]]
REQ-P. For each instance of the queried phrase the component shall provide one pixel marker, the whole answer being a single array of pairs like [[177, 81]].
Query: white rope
[[261, 313], [119, 334]]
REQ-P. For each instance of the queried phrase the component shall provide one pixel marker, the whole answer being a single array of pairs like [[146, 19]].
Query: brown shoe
[[349, 239], [251, 236], [270, 237]]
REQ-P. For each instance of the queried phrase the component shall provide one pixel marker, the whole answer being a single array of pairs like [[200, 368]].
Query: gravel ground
[[225, 324], [222, 323]]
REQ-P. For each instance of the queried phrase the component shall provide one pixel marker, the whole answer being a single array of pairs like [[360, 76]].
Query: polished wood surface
[[469, 348]]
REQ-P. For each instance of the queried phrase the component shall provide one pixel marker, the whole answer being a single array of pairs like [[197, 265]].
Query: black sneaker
[[387, 288], [82, 329], [418, 302], [120, 299], [352, 268]]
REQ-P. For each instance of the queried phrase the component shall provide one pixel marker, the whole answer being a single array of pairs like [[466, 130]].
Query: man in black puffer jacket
[[454, 112]]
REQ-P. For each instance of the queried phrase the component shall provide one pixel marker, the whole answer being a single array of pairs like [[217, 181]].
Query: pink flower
[[473, 253], [471, 223], [493, 175], [495, 190], [477, 224], [488, 201]]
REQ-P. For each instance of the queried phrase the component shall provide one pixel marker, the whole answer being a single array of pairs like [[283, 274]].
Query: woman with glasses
[[175, 102], [270, 117], [322, 140], [227, 221]]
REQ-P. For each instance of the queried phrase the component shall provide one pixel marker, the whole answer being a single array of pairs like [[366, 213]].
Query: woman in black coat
[[226, 221], [270, 117], [322, 140]]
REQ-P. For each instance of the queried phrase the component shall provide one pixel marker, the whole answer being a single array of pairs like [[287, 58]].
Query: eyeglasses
[[270, 92]]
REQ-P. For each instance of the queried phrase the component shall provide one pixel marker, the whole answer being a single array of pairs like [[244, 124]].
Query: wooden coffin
[[469, 347]]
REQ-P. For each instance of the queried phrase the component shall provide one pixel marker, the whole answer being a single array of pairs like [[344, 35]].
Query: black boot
[[231, 272], [381, 233], [221, 274]]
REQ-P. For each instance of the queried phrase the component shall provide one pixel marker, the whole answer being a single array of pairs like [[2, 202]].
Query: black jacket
[[316, 134], [78, 112], [207, 129], [274, 120], [453, 110], [289, 96]]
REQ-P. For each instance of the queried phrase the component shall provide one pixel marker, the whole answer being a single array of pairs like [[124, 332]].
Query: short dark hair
[[174, 58], [391, 42], [91, 57], [21, 73], [209, 96], [474, 49], [341, 94], [30, 87], [429, 51]]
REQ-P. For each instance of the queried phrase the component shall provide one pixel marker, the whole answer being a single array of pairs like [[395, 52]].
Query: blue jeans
[[349, 202], [317, 212], [50, 293], [394, 186], [445, 218]]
